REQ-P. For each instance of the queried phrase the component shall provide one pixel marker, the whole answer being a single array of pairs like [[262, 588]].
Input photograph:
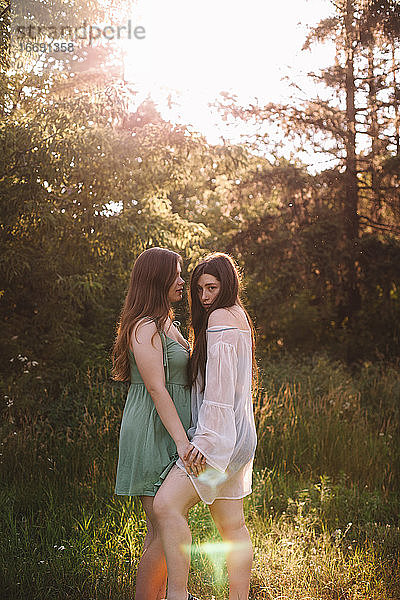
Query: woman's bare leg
[[229, 519], [151, 576], [171, 506]]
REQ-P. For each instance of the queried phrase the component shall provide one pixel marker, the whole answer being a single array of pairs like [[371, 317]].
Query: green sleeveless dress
[[146, 450]]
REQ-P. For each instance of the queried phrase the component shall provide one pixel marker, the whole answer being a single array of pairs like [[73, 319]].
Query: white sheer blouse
[[223, 427]]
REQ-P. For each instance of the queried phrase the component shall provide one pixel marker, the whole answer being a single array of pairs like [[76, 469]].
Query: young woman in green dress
[[150, 353]]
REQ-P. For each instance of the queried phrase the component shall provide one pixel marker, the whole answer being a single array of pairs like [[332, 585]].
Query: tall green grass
[[323, 515]]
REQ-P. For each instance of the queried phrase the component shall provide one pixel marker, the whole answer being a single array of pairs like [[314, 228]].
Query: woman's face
[[208, 288], [175, 292]]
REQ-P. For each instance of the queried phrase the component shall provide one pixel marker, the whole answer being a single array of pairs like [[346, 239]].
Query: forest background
[[86, 184]]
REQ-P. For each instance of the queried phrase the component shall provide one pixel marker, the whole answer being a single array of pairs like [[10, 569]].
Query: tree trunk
[[373, 133], [396, 99], [351, 300]]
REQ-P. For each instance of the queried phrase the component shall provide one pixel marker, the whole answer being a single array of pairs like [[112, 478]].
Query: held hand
[[193, 460], [196, 461], [184, 449]]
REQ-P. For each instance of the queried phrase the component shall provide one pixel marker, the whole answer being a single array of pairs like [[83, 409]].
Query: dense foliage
[[87, 184]]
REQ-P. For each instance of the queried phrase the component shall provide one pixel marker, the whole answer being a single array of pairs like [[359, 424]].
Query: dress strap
[[165, 355]]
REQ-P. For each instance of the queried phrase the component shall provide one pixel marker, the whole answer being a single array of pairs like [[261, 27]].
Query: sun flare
[[193, 51]]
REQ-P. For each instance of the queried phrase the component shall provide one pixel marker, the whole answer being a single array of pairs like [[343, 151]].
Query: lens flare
[[216, 552], [211, 477]]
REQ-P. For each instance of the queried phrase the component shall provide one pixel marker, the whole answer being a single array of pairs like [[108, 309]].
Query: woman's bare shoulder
[[143, 330], [227, 317]]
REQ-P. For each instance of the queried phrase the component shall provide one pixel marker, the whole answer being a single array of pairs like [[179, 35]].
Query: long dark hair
[[223, 268], [153, 273]]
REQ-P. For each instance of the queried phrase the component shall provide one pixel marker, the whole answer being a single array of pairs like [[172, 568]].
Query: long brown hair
[[152, 275], [223, 268]]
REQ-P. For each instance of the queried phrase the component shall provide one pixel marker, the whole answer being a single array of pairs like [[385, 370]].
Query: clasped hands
[[193, 460]]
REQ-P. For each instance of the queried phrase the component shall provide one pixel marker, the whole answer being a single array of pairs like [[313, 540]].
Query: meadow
[[323, 515]]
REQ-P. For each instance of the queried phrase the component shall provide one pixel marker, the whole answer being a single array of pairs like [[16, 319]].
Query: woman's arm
[[219, 389], [149, 359], [215, 435]]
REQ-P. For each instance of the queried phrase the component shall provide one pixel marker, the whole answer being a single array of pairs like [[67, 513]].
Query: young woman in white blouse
[[218, 470]]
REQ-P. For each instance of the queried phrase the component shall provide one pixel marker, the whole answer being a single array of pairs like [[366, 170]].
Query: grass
[[323, 515]]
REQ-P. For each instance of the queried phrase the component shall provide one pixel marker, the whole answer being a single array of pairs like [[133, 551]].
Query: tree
[[83, 196], [337, 125]]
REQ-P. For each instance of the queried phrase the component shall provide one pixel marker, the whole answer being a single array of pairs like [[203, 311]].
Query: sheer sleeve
[[215, 434]]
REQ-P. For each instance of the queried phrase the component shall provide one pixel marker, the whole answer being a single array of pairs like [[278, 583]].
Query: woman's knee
[[230, 529], [175, 497], [163, 507], [228, 518]]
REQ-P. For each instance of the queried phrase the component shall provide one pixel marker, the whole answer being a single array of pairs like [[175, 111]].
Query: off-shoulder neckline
[[221, 328]]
